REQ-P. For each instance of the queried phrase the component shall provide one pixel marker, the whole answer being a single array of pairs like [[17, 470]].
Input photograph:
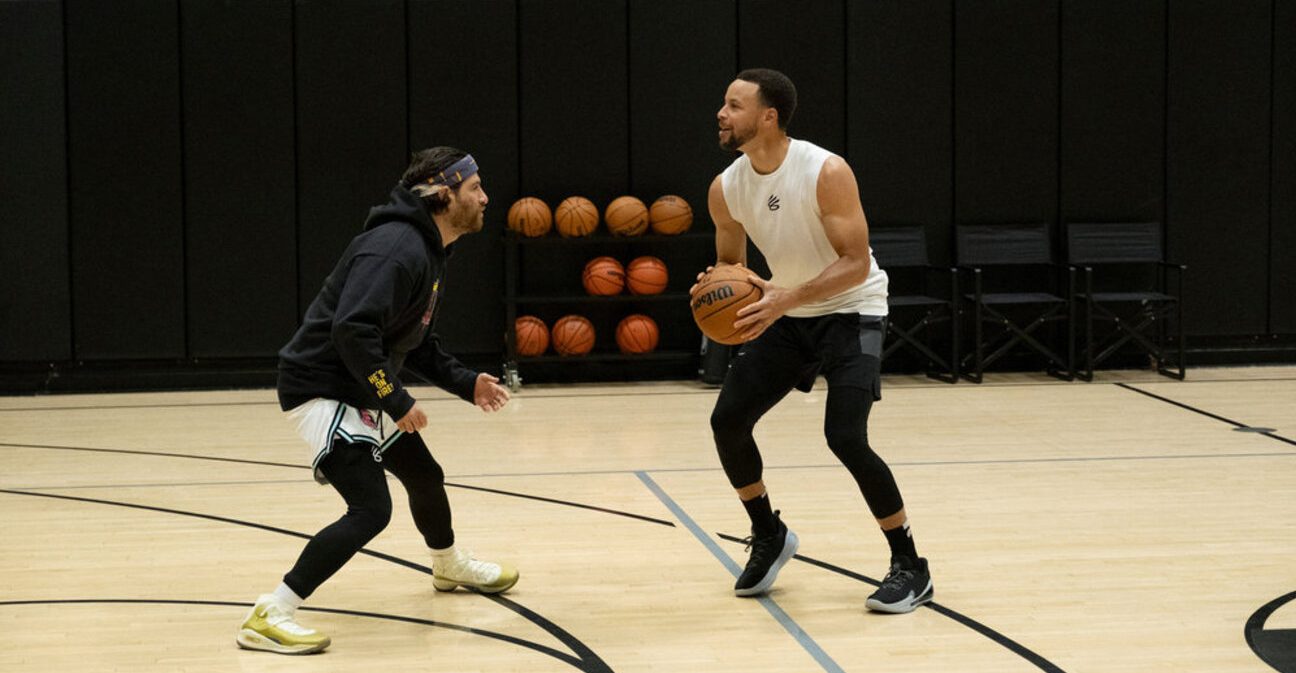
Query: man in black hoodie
[[339, 381]]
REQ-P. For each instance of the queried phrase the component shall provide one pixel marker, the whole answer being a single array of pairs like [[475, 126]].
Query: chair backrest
[[898, 246], [1113, 242], [993, 244]]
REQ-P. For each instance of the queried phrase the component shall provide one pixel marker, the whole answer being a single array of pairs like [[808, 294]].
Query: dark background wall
[[180, 175]]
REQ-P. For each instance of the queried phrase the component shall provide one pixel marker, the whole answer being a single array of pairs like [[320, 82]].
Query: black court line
[[496, 491], [514, 640], [1012, 645], [589, 661], [1181, 405], [1276, 647]]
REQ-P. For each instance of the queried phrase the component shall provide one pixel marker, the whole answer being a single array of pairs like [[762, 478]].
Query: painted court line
[[777, 612]]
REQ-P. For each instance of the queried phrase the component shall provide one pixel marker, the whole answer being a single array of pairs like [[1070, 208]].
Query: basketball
[[717, 299], [573, 335], [576, 216], [670, 215], [646, 275], [530, 217], [532, 337], [636, 333], [603, 276], [626, 216]]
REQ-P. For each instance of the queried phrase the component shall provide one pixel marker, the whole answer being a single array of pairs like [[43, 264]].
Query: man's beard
[[736, 140]]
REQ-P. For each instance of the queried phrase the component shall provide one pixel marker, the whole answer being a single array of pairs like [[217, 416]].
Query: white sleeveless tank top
[[780, 212]]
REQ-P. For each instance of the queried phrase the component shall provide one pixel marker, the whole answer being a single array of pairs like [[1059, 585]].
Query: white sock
[[448, 552], [288, 597]]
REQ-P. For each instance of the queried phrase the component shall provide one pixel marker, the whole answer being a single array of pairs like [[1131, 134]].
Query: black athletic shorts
[[845, 347]]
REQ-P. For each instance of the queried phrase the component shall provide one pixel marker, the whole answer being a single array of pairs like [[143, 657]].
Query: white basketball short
[[320, 421]]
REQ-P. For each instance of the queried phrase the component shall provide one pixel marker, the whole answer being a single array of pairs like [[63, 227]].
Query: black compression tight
[[360, 480], [845, 426]]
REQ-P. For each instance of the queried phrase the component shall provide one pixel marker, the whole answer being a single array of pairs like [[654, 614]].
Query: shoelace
[[897, 578], [762, 547], [284, 621], [465, 564]]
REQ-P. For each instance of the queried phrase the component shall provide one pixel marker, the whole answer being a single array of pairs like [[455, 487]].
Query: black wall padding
[[1218, 161], [1282, 251], [1005, 111], [351, 124], [682, 58], [574, 137], [240, 201], [463, 93], [126, 179], [1113, 111], [35, 305], [805, 40], [899, 104]]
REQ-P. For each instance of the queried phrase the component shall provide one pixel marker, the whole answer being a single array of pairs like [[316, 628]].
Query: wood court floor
[[1128, 524]]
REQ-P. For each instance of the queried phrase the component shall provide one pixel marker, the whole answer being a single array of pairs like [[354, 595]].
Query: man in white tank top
[[823, 311]]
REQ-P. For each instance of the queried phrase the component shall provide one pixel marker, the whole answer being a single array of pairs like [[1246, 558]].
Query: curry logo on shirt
[[380, 384]]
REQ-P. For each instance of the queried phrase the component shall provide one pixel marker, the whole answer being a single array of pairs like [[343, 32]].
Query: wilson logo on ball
[[713, 296]]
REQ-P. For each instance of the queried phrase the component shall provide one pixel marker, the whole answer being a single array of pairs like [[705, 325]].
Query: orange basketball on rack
[[636, 333], [603, 276], [573, 335], [531, 336], [646, 275], [670, 215], [530, 217], [626, 216], [718, 297], [576, 216]]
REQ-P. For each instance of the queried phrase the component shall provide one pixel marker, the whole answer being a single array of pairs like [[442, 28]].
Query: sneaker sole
[[447, 586], [790, 544], [251, 640], [902, 607]]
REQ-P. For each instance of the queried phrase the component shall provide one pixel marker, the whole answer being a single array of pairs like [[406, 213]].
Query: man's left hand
[[489, 394]]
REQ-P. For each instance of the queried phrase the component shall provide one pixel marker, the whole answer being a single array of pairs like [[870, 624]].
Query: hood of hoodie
[[405, 206]]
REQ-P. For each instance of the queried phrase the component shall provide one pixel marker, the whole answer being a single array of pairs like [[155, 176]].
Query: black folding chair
[[1016, 257], [901, 251], [1133, 296]]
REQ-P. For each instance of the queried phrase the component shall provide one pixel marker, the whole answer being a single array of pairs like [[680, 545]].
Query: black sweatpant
[[790, 354], [359, 479]]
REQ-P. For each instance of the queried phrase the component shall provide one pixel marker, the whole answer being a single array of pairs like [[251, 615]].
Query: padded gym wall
[[35, 305], [240, 204], [573, 100], [1282, 227], [351, 125], [1113, 111], [899, 105], [806, 40], [682, 57], [1218, 161], [463, 93], [1005, 111], [125, 177]]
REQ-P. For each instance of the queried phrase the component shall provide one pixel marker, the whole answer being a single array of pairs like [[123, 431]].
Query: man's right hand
[[413, 420]]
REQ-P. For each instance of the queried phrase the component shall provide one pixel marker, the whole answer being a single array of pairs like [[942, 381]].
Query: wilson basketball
[[670, 215], [646, 275], [576, 216], [636, 333], [603, 276], [573, 335], [530, 217], [626, 216], [717, 299], [531, 336]]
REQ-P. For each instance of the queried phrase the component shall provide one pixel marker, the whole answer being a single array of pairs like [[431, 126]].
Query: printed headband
[[457, 172]]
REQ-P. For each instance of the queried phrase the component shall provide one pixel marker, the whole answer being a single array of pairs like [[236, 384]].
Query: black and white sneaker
[[768, 553], [907, 586]]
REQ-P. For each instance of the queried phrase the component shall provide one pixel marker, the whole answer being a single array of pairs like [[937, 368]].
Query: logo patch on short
[[368, 419]]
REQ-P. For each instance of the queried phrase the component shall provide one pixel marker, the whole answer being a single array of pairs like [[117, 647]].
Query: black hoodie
[[377, 307]]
